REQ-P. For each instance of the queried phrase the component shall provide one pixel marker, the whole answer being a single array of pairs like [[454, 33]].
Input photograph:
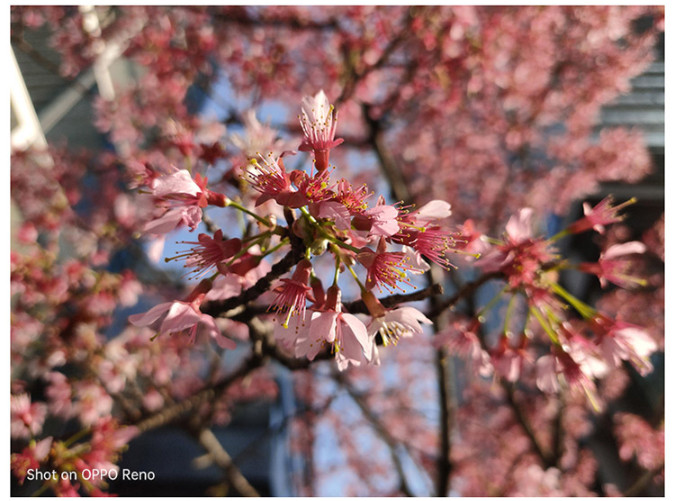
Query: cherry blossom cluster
[[388, 242], [583, 346], [334, 217], [490, 108]]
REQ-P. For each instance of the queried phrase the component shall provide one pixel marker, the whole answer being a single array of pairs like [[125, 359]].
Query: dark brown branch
[[444, 466], [395, 299], [241, 16], [352, 306], [263, 284]]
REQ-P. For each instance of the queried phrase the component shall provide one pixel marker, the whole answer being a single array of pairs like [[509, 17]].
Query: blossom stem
[[251, 244], [273, 249], [493, 241], [236, 205], [337, 264], [545, 325], [43, 488], [582, 308], [559, 235], [490, 304], [508, 315], [74, 438], [253, 237], [326, 234], [362, 287]]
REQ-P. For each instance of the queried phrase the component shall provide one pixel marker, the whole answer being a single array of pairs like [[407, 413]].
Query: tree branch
[[444, 467], [352, 306], [645, 481], [465, 291], [172, 412], [545, 457], [222, 459], [217, 308]]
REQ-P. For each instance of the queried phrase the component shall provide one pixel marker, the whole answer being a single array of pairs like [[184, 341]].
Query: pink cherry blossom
[[291, 295], [208, 252], [619, 341], [270, 179], [612, 267], [30, 458], [352, 344], [434, 210], [384, 269], [318, 122], [27, 417], [598, 217], [380, 220], [183, 198], [461, 339], [257, 138], [400, 322], [180, 316]]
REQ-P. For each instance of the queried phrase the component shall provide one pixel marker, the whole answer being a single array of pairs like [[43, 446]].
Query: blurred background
[[492, 109]]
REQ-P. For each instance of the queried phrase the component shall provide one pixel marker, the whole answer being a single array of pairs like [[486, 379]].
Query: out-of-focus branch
[[546, 458], [355, 76], [398, 185], [465, 291], [211, 226], [379, 428], [222, 459], [400, 191], [444, 467], [645, 480], [241, 16], [175, 411]]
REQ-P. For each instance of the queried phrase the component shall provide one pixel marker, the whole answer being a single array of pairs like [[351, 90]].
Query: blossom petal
[[179, 182], [624, 249], [167, 222], [181, 316], [323, 326], [151, 316], [359, 331], [433, 210], [519, 227]]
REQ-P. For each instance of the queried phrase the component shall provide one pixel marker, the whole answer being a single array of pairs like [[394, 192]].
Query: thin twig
[[466, 290]]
